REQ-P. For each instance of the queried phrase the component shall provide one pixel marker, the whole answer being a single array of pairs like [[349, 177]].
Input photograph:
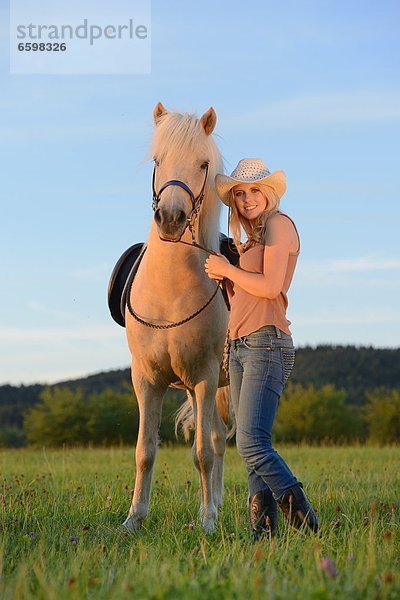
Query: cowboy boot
[[263, 515], [297, 509]]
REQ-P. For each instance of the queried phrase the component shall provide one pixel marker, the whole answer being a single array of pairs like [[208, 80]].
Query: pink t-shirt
[[248, 312]]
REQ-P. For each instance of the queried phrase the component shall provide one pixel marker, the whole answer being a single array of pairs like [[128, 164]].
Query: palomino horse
[[176, 318]]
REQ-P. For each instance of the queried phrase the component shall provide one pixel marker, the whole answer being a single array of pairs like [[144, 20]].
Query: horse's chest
[[171, 356]]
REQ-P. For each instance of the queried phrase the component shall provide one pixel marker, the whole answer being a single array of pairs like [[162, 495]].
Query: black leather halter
[[195, 200]]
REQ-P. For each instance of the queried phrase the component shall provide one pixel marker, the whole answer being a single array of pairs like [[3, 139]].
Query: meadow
[[61, 510]]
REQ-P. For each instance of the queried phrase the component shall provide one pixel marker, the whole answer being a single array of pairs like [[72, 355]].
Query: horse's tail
[[184, 416], [224, 406]]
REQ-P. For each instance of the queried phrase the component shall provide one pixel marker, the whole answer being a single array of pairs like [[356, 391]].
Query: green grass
[[60, 513]]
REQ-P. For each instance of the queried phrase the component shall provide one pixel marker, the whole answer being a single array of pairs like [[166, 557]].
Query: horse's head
[[185, 161]]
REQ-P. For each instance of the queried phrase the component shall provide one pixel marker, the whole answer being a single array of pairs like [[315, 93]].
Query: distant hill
[[15, 400], [355, 369]]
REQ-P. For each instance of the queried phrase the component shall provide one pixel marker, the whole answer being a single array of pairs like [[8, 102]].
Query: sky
[[311, 87]]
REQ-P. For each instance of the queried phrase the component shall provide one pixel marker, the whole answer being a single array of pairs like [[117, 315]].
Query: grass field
[[61, 511]]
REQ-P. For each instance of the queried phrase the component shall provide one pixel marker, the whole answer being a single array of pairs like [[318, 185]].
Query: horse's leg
[[150, 403], [218, 436], [204, 402], [194, 446]]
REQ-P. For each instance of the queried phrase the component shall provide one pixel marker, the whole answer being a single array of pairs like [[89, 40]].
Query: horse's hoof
[[132, 524], [218, 502], [208, 526]]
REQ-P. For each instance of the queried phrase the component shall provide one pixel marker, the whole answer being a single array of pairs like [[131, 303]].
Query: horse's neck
[[175, 258]]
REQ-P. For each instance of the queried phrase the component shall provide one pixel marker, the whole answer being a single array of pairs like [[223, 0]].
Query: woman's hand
[[217, 267]]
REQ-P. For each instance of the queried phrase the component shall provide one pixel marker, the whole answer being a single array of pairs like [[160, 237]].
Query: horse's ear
[[158, 112], [209, 120]]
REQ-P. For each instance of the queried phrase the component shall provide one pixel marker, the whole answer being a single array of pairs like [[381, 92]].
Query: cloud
[[364, 263], [314, 269], [52, 354], [367, 317], [97, 333], [319, 109], [48, 133], [92, 274], [50, 311]]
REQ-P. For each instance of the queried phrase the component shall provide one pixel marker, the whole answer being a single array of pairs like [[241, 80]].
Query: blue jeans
[[259, 366]]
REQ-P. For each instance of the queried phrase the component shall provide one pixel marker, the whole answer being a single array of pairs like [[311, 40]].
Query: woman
[[261, 346]]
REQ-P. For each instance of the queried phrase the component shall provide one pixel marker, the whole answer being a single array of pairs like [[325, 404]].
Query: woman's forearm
[[256, 284]]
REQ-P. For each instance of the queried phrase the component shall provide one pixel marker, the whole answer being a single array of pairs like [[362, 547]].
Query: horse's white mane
[[177, 136]]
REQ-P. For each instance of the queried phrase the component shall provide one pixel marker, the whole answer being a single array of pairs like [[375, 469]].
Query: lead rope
[[169, 325], [187, 319], [227, 343]]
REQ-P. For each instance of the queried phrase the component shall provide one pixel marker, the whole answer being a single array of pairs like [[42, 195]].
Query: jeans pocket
[[258, 342], [288, 356]]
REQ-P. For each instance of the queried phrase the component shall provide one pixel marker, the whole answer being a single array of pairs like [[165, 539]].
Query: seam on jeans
[[273, 343], [261, 394], [268, 341], [288, 358], [257, 347]]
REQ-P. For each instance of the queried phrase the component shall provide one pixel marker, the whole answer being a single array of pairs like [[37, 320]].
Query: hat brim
[[224, 184]]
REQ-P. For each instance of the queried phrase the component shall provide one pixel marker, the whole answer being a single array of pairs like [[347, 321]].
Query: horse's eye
[[204, 165]]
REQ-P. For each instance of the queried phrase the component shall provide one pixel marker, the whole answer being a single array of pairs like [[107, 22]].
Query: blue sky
[[312, 87]]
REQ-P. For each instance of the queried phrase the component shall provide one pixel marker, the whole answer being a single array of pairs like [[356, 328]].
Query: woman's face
[[249, 200]]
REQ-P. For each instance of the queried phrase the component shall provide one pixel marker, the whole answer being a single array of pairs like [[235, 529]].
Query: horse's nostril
[[180, 217], [157, 216]]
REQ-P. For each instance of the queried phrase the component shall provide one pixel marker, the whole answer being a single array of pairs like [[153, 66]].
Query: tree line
[[336, 393], [306, 414]]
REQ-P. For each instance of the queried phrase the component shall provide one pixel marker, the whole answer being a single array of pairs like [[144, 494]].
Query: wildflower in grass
[[328, 567], [386, 535], [335, 523], [387, 577], [259, 553], [373, 509]]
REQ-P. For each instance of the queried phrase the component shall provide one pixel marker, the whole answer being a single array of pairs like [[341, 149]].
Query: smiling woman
[[261, 347], [249, 200]]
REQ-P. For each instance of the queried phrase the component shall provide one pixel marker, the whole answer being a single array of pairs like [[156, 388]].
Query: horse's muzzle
[[171, 225]]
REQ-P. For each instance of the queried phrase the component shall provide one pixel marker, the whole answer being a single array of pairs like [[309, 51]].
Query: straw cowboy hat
[[247, 171]]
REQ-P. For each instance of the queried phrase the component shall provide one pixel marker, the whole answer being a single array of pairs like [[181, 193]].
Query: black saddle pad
[[127, 262], [118, 280], [228, 249]]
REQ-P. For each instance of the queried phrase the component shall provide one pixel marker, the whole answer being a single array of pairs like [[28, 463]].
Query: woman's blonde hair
[[257, 233]]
